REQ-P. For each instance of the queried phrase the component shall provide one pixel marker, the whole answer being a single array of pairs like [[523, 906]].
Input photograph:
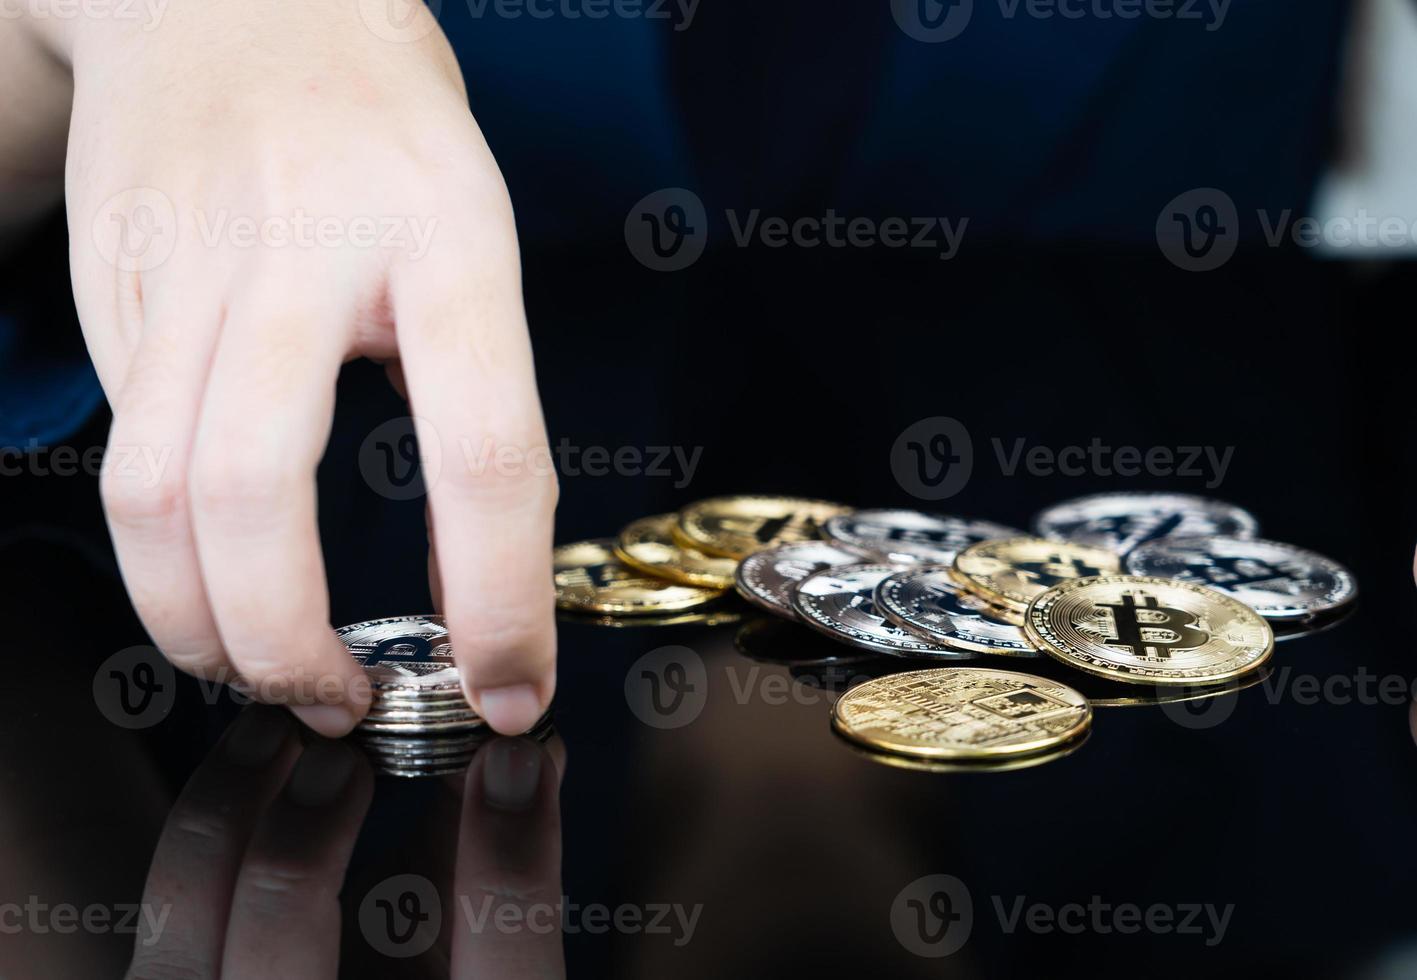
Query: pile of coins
[[1172, 591]]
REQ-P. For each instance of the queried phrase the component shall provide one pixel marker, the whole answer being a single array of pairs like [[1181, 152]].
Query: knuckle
[[137, 501]]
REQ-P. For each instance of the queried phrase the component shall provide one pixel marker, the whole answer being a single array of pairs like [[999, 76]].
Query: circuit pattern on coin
[[1149, 630], [765, 578], [928, 601], [962, 713], [1011, 572], [908, 535], [1276, 580], [735, 527], [841, 603], [1123, 521], [589, 578], [648, 545]]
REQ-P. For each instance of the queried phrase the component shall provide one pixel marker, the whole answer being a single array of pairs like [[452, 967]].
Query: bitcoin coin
[[694, 617], [961, 713], [1149, 630], [903, 536], [958, 766], [1276, 580], [1007, 574], [408, 655], [735, 527], [1123, 521], [776, 641], [648, 545], [766, 578], [928, 602], [840, 602], [589, 578]]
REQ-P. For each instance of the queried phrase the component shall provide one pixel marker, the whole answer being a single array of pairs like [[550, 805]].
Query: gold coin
[[648, 545], [735, 527], [589, 578], [1003, 764], [1010, 572], [1149, 630], [961, 713]]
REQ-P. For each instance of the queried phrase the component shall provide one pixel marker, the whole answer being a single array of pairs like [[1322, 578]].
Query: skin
[[219, 355]]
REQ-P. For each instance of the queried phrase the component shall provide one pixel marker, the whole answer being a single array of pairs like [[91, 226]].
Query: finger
[[263, 426], [195, 864], [509, 854], [144, 479], [285, 914], [467, 361]]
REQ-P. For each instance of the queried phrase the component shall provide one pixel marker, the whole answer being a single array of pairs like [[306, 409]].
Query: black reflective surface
[[755, 841]]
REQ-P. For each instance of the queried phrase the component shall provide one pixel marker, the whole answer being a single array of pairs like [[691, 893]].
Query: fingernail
[[256, 736], [511, 710], [321, 774], [511, 774], [330, 720]]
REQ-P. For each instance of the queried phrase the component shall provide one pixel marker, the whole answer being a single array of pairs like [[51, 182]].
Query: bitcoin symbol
[[1057, 567], [1152, 630]]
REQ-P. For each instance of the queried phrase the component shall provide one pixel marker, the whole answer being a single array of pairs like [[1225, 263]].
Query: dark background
[[795, 371]]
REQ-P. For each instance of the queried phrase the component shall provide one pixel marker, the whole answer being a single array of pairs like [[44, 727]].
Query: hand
[[258, 192]]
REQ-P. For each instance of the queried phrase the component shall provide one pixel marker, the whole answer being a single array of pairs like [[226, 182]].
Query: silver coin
[[468, 723], [409, 654], [405, 747], [765, 578], [385, 712], [1276, 580], [1123, 521], [841, 603], [904, 536], [927, 602]]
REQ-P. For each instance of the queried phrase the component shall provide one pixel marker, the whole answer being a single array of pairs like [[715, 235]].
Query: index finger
[[468, 364]]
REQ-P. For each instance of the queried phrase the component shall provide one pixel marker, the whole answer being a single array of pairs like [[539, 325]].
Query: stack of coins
[[417, 689]]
